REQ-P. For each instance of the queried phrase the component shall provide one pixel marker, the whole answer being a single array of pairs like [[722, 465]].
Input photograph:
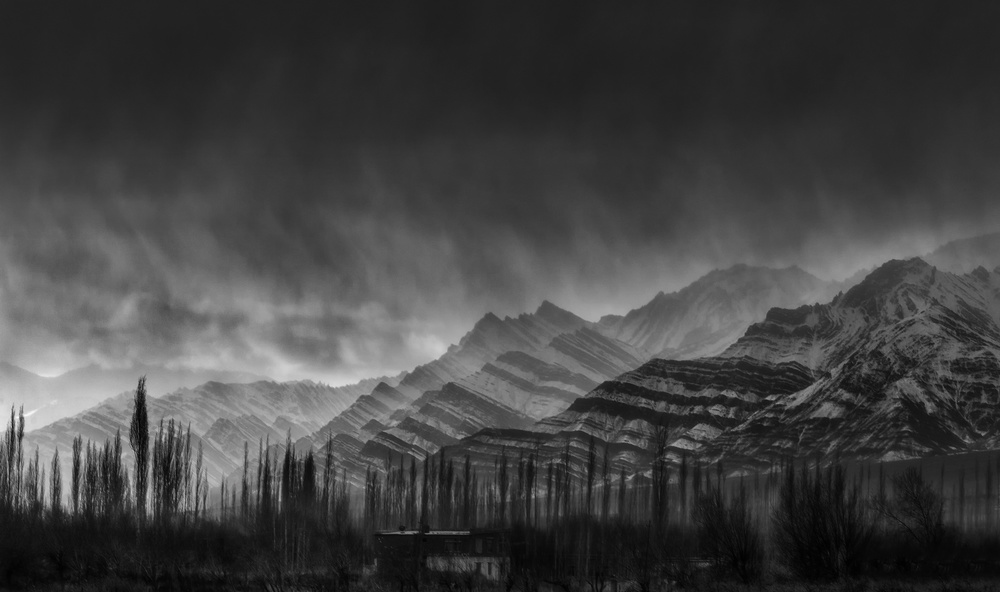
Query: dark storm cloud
[[333, 189]]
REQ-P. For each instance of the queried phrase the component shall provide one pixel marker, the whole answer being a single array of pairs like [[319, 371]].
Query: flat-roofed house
[[471, 552]]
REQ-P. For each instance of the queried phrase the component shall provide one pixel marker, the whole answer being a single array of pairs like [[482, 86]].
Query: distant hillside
[[962, 256], [46, 399], [706, 317], [221, 415]]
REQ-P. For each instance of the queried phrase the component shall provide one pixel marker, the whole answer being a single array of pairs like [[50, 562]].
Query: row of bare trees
[[524, 489], [573, 516]]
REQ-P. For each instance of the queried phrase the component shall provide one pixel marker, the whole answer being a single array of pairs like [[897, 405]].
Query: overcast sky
[[335, 190]]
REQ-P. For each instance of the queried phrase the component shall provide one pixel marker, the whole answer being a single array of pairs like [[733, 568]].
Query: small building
[[476, 552]]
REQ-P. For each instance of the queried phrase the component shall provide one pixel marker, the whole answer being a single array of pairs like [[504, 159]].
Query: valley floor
[[255, 582]]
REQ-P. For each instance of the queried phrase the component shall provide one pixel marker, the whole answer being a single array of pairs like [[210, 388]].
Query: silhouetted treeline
[[288, 520]]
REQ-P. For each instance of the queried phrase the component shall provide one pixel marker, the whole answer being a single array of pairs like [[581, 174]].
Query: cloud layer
[[334, 191]]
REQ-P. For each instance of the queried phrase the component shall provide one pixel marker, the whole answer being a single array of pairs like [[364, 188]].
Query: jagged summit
[[908, 358], [487, 320], [467, 377], [888, 277], [558, 316], [383, 387], [745, 270], [822, 336], [493, 335]]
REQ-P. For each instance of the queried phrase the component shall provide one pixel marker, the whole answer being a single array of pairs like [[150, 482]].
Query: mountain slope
[[513, 391], [910, 363], [687, 403], [713, 312], [230, 435], [489, 338]]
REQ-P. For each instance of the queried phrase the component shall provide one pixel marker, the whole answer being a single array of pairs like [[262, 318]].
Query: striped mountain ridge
[[230, 435], [513, 391], [909, 364], [905, 364], [489, 338], [689, 402]]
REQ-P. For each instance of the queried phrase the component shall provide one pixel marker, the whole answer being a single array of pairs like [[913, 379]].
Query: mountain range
[[747, 364], [505, 373]]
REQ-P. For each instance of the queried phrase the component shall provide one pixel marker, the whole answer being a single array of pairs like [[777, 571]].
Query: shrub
[[915, 509], [730, 533]]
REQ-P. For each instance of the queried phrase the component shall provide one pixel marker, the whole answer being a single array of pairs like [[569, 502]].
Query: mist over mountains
[[964, 255], [705, 317], [746, 364], [303, 193]]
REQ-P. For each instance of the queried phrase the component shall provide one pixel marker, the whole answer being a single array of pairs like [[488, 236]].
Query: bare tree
[[75, 475], [199, 488], [245, 485], [55, 489], [915, 509], [822, 527], [682, 477], [503, 483], [591, 472], [660, 473], [466, 492]]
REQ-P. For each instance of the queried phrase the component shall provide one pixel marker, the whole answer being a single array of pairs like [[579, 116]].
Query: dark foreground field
[[707, 582], [291, 522]]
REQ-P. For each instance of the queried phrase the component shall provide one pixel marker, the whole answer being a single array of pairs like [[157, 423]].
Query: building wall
[[491, 568], [463, 552]]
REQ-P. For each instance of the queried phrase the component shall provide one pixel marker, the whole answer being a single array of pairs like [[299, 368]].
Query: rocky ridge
[[904, 364]]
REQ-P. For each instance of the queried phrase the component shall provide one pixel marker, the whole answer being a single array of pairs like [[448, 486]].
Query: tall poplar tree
[[138, 438]]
